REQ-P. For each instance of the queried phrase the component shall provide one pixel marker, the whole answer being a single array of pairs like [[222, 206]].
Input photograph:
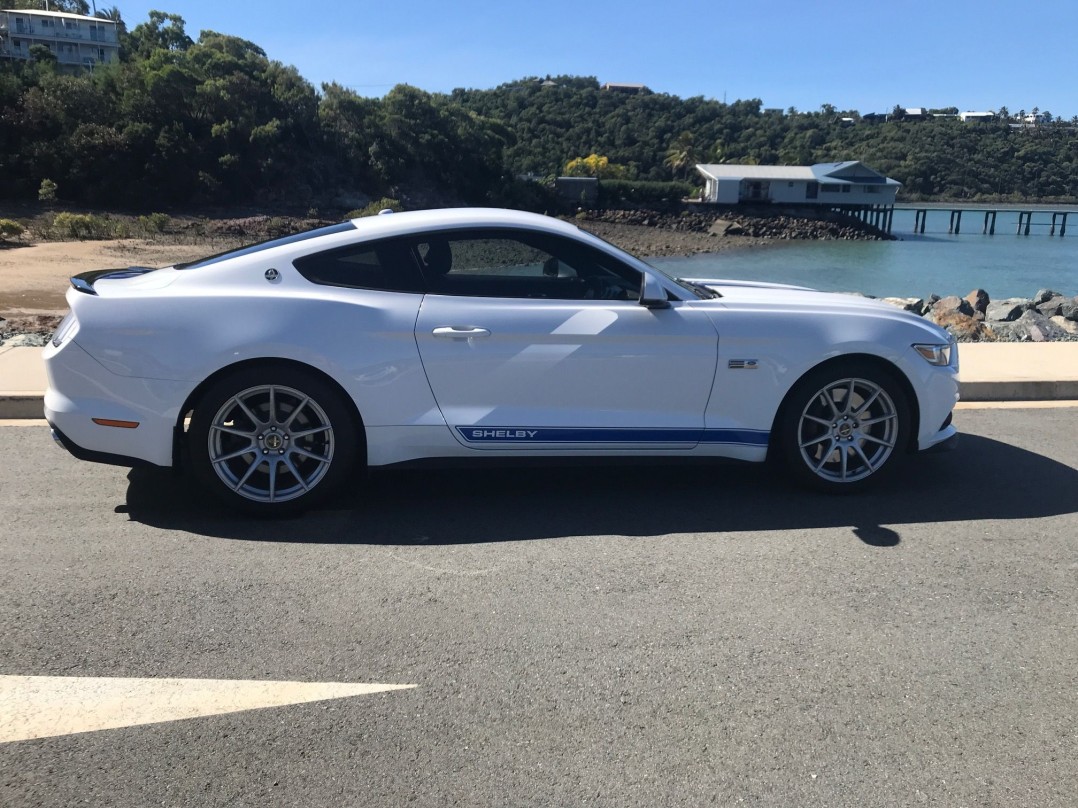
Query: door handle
[[460, 332]]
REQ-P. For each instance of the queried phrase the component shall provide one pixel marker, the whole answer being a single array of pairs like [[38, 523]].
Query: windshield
[[694, 289], [267, 245]]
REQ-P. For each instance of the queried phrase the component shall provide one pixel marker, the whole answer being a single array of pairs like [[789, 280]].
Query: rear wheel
[[272, 440], [844, 427]]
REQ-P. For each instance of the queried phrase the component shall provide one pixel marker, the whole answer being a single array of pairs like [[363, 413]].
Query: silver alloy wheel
[[270, 443], [847, 430]]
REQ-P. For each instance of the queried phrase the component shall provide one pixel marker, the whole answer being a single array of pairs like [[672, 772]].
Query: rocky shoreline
[[656, 234], [1048, 316]]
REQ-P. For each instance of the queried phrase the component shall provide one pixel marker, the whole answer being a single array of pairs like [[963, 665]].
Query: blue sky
[[867, 55]]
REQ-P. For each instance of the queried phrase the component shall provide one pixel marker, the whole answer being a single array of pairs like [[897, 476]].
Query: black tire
[[844, 427], [272, 440]]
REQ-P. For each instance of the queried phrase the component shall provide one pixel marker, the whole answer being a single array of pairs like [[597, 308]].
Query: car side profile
[[272, 371]]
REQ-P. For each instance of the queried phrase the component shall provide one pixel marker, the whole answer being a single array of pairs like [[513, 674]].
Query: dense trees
[[214, 120]]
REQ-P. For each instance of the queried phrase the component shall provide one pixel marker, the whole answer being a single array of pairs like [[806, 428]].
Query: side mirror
[[652, 293]]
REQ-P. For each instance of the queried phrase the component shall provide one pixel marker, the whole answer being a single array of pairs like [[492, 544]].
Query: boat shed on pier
[[835, 185]]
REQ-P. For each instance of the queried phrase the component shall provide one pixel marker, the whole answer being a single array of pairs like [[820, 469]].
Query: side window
[[386, 266], [520, 264]]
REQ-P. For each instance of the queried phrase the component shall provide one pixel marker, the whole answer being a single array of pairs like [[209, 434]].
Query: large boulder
[[962, 327], [1043, 296], [1032, 326], [1070, 326], [1052, 306], [1006, 310], [953, 303], [1069, 309], [979, 300], [725, 227]]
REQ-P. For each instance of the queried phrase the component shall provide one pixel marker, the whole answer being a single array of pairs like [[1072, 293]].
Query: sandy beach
[[34, 278]]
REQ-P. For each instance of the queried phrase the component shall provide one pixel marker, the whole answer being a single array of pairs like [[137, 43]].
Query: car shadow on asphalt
[[983, 479]]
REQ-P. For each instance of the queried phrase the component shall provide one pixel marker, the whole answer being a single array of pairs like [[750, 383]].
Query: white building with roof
[[827, 184], [76, 41]]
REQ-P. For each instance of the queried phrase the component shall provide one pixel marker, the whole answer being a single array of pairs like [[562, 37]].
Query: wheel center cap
[[274, 441], [845, 430]]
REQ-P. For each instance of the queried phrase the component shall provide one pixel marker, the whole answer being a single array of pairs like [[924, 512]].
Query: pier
[[1056, 225], [877, 216]]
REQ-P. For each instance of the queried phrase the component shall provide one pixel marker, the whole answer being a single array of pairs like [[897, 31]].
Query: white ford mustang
[[271, 371]]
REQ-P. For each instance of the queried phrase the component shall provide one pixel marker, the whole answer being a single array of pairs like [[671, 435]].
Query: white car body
[[447, 376]]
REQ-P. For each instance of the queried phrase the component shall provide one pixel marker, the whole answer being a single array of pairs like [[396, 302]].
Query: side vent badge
[[743, 364], [272, 274]]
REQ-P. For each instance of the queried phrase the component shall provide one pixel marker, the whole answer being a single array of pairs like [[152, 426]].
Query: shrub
[[613, 193], [374, 208], [47, 191], [154, 223], [82, 226], [279, 226], [10, 229]]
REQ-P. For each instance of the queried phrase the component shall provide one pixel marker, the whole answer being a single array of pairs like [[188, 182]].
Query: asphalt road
[[607, 636]]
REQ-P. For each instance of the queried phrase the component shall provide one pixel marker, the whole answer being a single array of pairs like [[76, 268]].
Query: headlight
[[939, 355], [67, 328]]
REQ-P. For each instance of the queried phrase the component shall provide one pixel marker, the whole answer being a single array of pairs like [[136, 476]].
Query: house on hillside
[[75, 40], [626, 89], [850, 183]]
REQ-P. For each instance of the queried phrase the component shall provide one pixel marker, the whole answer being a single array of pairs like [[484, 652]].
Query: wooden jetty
[[1025, 219]]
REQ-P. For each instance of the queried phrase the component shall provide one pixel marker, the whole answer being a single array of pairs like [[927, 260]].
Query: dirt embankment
[[34, 277]]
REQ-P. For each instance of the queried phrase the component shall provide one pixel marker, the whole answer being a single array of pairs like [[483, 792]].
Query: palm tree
[[113, 15], [682, 155]]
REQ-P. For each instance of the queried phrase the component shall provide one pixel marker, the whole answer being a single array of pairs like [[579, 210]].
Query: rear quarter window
[[385, 266]]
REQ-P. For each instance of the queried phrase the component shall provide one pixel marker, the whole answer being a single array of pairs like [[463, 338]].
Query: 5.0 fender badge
[[272, 274]]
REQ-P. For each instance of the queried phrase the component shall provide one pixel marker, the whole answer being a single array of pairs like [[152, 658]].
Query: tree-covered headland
[[214, 121]]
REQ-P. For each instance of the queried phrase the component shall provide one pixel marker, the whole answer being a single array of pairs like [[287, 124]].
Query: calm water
[[1006, 265]]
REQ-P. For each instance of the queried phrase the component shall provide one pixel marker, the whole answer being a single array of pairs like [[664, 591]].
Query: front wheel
[[272, 440], [844, 427]]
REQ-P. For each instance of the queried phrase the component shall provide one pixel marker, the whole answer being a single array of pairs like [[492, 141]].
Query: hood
[[781, 295], [776, 297]]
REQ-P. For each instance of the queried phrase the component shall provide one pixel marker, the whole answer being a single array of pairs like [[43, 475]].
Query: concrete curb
[[1059, 390], [19, 406]]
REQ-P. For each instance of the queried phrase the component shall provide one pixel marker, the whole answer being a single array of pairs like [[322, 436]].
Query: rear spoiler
[[84, 281]]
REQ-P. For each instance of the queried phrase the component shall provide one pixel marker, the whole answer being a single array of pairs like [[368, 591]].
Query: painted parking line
[[48, 706]]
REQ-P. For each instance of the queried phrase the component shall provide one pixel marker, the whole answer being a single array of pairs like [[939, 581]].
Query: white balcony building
[[847, 184], [76, 41]]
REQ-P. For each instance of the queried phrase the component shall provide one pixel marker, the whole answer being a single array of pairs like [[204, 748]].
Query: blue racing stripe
[[753, 437]]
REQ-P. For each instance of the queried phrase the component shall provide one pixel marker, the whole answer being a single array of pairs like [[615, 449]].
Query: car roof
[[395, 224]]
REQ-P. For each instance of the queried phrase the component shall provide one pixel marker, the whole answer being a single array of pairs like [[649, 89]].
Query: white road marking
[[47, 706]]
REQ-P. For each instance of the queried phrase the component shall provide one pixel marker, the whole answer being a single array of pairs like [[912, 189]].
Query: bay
[[1005, 265]]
